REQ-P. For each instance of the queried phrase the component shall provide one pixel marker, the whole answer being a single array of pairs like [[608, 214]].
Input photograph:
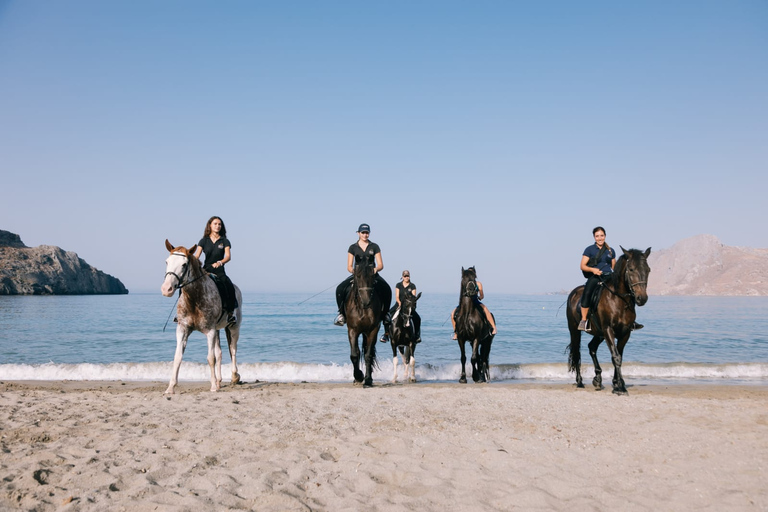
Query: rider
[[597, 260], [217, 252], [401, 288], [477, 298], [363, 247]]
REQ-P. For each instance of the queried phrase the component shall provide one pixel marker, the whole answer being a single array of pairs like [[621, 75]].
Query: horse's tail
[[574, 347]]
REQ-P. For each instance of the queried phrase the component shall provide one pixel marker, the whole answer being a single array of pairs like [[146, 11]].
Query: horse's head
[[363, 279], [407, 305], [177, 267], [636, 272], [468, 282]]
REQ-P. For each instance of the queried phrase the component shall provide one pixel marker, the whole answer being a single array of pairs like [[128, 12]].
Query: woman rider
[[597, 260], [217, 252], [401, 288], [477, 298], [363, 247]]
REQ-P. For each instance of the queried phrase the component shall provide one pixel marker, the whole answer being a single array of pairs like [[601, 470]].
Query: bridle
[[180, 279], [470, 290], [630, 285]]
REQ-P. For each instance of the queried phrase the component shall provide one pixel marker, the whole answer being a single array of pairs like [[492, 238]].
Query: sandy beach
[[445, 446]]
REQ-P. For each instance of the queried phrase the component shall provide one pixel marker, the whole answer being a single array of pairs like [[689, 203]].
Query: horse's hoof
[[412, 379], [620, 392], [463, 380], [235, 378], [580, 385], [168, 393], [368, 383]]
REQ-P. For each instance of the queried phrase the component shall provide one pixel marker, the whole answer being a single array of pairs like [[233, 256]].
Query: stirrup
[[582, 325], [384, 338], [340, 320]]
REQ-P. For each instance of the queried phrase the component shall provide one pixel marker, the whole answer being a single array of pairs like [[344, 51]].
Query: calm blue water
[[121, 337]]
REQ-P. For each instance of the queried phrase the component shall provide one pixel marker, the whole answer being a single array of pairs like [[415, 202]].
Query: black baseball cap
[[364, 228]]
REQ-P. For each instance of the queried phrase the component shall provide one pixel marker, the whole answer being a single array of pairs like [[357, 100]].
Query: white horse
[[199, 310]]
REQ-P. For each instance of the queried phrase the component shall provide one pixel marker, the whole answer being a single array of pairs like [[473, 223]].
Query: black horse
[[404, 337], [365, 310], [614, 317], [472, 326]]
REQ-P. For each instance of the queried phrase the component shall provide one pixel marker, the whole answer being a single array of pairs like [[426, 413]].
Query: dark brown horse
[[365, 311], [614, 318], [404, 337], [472, 326]]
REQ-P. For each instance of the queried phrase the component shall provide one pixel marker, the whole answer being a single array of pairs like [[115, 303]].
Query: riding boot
[[387, 320], [340, 320], [636, 326]]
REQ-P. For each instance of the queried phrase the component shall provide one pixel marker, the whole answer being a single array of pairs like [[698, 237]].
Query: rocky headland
[[49, 270], [702, 265]]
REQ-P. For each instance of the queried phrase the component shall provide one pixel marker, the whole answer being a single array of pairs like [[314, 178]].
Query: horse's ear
[[623, 250], [168, 245], [647, 252], [192, 250], [462, 270]]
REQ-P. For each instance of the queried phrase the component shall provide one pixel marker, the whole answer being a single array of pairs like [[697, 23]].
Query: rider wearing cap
[[401, 288], [362, 248]]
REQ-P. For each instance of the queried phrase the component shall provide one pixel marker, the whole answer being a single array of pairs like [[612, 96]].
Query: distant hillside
[[48, 270], [701, 265]]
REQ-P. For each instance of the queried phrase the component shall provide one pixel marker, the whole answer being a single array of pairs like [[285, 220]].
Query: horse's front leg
[[214, 358], [369, 344], [618, 382], [354, 355], [475, 362], [182, 334], [411, 364], [598, 380], [394, 358], [233, 334], [463, 378]]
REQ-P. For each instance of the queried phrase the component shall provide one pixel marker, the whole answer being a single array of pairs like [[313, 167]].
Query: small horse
[[472, 326], [614, 319], [404, 337], [199, 310], [365, 311]]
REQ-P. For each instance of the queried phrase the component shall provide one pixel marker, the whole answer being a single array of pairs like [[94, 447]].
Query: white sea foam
[[300, 372]]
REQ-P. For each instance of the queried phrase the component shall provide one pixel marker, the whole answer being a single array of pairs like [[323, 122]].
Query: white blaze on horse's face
[[175, 268]]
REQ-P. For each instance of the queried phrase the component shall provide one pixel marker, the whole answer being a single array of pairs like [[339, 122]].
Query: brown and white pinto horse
[[199, 310]]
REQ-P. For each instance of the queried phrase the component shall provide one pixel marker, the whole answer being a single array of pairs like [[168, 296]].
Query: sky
[[487, 133]]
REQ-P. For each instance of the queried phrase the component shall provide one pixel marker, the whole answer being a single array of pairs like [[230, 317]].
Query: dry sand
[[259, 446]]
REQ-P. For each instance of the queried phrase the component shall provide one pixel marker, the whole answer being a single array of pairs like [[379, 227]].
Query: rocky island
[[49, 270]]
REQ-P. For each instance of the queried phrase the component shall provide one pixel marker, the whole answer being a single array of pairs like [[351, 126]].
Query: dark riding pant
[[227, 292], [589, 288]]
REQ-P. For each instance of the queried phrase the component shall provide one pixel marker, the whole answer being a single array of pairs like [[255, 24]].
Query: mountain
[[702, 265], [49, 270]]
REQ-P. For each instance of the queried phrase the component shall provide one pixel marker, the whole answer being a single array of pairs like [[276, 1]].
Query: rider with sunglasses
[[401, 288]]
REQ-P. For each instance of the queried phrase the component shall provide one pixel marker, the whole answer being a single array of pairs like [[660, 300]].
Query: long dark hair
[[207, 232]]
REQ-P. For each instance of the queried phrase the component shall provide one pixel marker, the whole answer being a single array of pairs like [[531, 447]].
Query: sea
[[291, 338]]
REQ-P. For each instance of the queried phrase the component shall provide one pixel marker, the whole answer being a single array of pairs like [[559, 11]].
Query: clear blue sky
[[487, 133]]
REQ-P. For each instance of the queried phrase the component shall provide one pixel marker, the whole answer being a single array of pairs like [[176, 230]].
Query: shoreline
[[96, 445]]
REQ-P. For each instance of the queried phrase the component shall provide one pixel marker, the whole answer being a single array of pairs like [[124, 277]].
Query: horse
[[199, 309], [403, 337], [472, 326], [365, 311], [614, 318]]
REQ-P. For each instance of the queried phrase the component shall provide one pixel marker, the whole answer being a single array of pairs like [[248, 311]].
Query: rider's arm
[[585, 268], [198, 252], [613, 263], [480, 293], [226, 258], [379, 263], [350, 262], [397, 295]]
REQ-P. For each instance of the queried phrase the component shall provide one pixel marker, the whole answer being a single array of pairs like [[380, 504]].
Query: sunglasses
[[406, 275]]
